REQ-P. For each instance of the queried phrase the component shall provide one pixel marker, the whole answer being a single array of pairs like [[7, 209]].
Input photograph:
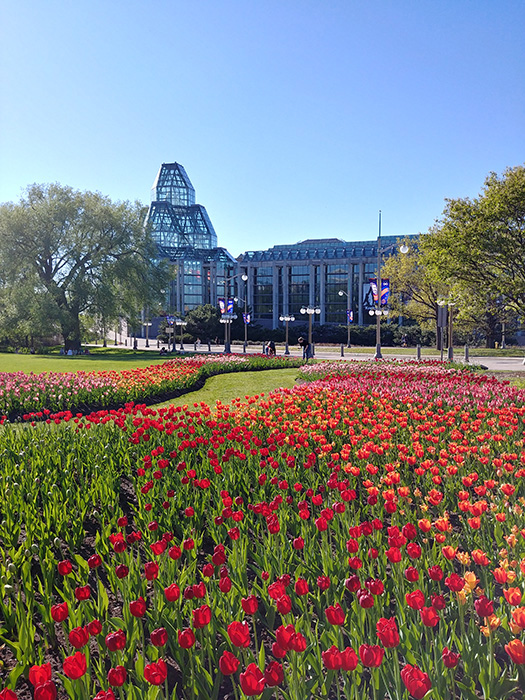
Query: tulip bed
[[37, 395], [359, 536]]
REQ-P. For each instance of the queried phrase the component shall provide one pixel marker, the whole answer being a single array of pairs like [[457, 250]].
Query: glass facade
[[282, 279], [263, 293], [336, 280]]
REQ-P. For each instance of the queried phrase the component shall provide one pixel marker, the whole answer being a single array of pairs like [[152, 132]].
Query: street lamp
[[287, 319], [170, 331], [348, 317], [231, 317], [147, 324], [182, 324], [310, 310], [449, 303], [378, 312], [227, 319]]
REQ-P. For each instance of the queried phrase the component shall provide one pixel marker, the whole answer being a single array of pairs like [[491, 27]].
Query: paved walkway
[[494, 363]]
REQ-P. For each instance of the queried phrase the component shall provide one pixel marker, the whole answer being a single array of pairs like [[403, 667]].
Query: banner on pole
[[349, 316]]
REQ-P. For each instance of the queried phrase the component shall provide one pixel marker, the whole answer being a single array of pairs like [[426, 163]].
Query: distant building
[[281, 279]]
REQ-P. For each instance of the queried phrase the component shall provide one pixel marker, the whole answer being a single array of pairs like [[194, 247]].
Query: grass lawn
[[97, 360], [225, 387]]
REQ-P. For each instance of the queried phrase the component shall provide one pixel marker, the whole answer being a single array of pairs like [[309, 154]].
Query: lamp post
[[287, 319], [348, 316], [147, 324], [227, 319], [378, 312], [227, 322], [449, 303], [310, 310], [181, 324], [170, 331]]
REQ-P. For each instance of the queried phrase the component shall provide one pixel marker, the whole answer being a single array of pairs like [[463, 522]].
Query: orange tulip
[[516, 650]]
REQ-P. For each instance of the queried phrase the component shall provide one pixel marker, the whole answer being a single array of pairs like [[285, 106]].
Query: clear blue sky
[[294, 119]]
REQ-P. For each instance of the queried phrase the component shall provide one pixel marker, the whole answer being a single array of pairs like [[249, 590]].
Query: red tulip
[[484, 606], [82, 592], [121, 571], [79, 637], [250, 604], [335, 614], [429, 616], [75, 666], [59, 612], [387, 632], [39, 674], [455, 582], [151, 570], [349, 659], [435, 573], [159, 637], [45, 691], [115, 641], [252, 681], [371, 655], [7, 694], [94, 627], [186, 638], [450, 658], [156, 673], [274, 674], [65, 567], [239, 634], [301, 587], [284, 604], [332, 658], [138, 607], [94, 561], [415, 600], [228, 663], [417, 683], [201, 616], [117, 676], [172, 593], [105, 695]]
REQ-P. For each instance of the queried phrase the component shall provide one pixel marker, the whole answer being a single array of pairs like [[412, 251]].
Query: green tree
[[83, 252], [415, 290], [204, 323], [479, 243]]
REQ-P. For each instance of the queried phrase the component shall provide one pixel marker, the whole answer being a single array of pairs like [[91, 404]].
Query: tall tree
[[81, 250], [480, 243], [415, 291]]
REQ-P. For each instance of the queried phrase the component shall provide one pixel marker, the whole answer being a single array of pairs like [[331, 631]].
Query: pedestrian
[[307, 348], [271, 349]]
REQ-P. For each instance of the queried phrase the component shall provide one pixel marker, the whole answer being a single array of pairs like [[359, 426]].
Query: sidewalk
[[493, 363]]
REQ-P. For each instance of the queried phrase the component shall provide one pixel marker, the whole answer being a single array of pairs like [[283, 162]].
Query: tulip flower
[[39, 674], [387, 632], [75, 666], [417, 683], [332, 658], [371, 655], [516, 650], [186, 638], [273, 674], [335, 614], [450, 658], [156, 673], [45, 691], [228, 663], [252, 681], [239, 634], [117, 676], [59, 612]]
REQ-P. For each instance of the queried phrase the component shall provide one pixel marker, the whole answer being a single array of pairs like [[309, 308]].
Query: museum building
[[279, 281]]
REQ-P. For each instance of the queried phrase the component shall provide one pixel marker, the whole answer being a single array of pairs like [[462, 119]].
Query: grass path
[[225, 387]]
